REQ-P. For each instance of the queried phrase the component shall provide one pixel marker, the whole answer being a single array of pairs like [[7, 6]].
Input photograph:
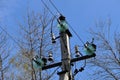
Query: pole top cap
[[62, 17]]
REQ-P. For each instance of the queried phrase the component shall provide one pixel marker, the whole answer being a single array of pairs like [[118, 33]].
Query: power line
[[48, 8], [55, 7], [75, 33], [57, 18], [10, 36]]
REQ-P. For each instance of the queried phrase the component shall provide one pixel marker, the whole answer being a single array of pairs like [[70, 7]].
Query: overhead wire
[[48, 9], [67, 22], [75, 33], [10, 36], [61, 14], [54, 6]]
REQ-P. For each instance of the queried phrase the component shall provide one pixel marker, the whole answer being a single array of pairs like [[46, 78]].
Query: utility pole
[[66, 73]]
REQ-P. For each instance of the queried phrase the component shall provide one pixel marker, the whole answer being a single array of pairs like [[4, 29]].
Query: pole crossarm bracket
[[72, 60], [82, 58], [52, 65]]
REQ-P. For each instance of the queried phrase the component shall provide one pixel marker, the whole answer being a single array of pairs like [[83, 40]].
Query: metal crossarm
[[72, 60]]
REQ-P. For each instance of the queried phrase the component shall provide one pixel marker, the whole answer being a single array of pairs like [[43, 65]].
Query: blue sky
[[81, 14]]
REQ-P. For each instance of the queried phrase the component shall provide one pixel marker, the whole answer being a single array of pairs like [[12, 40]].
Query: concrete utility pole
[[66, 73]]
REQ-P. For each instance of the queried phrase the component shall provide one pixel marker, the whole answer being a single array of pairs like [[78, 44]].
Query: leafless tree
[[107, 61], [35, 40], [4, 65]]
